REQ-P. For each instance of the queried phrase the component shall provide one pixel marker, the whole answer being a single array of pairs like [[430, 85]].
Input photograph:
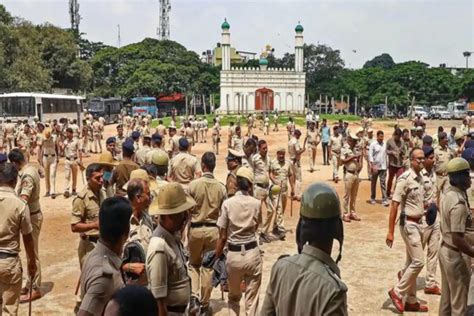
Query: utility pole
[[467, 55], [164, 23], [74, 16], [355, 106]]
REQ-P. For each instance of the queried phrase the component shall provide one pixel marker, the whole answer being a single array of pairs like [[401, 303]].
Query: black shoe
[[264, 238], [47, 194], [53, 196], [67, 194], [194, 306]]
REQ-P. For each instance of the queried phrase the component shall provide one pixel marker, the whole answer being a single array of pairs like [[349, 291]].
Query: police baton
[[291, 207], [30, 300]]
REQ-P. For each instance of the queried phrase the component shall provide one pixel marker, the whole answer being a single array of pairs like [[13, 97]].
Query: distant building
[[234, 56], [244, 90]]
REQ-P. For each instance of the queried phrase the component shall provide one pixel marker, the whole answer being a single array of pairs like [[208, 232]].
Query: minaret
[[299, 42], [225, 45]]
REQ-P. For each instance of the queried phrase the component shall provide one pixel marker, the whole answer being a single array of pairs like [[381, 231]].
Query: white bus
[[24, 105]]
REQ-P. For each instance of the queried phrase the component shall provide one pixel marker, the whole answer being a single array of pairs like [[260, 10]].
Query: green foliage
[[384, 61]]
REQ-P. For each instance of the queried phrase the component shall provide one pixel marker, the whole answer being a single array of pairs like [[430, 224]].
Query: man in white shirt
[[378, 165]]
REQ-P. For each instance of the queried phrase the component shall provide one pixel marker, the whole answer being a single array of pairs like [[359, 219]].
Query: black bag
[[133, 252], [431, 213]]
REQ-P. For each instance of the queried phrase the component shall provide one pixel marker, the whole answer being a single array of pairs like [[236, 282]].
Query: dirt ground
[[368, 266]]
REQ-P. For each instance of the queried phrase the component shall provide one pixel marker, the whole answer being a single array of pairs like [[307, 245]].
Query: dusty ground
[[368, 266]]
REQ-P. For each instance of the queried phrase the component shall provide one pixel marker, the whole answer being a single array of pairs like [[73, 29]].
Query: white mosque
[[246, 90]]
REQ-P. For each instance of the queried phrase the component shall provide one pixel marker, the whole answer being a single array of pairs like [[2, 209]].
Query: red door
[[264, 99]]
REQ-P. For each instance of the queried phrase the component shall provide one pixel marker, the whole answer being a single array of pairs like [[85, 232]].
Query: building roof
[[299, 28], [41, 95]]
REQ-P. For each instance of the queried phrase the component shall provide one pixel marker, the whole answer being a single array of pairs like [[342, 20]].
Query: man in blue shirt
[[325, 137]]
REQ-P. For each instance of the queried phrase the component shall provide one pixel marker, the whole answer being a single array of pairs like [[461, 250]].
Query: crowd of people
[[157, 231]]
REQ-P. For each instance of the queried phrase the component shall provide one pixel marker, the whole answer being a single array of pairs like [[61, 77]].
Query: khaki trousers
[[351, 187], [278, 210], [85, 145], [455, 277], [201, 240], [412, 234], [336, 162], [70, 167], [50, 166], [10, 285], [10, 142], [312, 155], [36, 223], [84, 248], [215, 144], [469, 236], [431, 240], [97, 142], [298, 177], [442, 183], [244, 266]]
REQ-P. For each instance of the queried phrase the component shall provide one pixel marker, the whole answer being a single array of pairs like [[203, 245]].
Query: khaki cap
[[160, 158], [172, 200], [359, 130], [354, 137], [47, 133], [246, 173], [419, 128], [137, 174], [262, 179], [459, 135], [106, 159], [235, 153], [370, 130], [281, 149]]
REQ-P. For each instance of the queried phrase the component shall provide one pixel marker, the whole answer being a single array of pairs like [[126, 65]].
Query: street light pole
[[467, 54]]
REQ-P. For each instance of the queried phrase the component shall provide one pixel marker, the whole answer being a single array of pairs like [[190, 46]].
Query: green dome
[[263, 61], [225, 25], [299, 28]]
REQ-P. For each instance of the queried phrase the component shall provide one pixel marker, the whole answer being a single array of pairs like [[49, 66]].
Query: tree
[[384, 61]]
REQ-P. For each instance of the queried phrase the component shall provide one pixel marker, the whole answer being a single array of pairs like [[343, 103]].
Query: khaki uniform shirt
[[71, 148], [121, 175], [174, 145], [166, 269], [85, 208], [455, 214], [261, 166], [183, 167], [240, 215], [161, 129], [335, 142], [119, 142], [313, 137], [96, 128], [140, 155], [209, 194], [29, 184], [9, 130], [24, 140], [442, 157], [319, 289], [231, 182], [100, 279], [141, 230], [151, 152], [346, 152], [237, 143], [144, 131], [429, 186], [48, 146], [409, 192], [282, 171], [75, 130], [293, 148], [14, 219], [417, 142]]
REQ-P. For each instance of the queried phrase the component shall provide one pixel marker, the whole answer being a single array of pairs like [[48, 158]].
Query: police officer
[[350, 157], [28, 189], [234, 162], [209, 194], [310, 283], [97, 134], [141, 229], [409, 195], [140, 154], [165, 261], [335, 147], [443, 154], [173, 142], [184, 167], [119, 140], [101, 276], [24, 141], [14, 220], [48, 155], [85, 211], [312, 139], [156, 142], [237, 142], [9, 135], [216, 136], [295, 151], [261, 164], [456, 217], [123, 170], [73, 155], [238, 224]]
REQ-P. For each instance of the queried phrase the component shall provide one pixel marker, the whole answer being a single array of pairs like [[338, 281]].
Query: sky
[[433, 31]]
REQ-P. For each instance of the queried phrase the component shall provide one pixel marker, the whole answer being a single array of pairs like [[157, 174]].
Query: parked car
[[439, 112], [418, 110], [457, 110]]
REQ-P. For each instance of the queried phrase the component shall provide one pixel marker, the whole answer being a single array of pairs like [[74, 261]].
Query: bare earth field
[[368, 266]]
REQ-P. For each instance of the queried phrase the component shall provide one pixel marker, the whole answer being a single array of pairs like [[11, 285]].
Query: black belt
[[73, 158], [34, 213], [247, 246], [177, 308], [261, 185], [353, 172], [198, 225], [5, 255], [52, 155]]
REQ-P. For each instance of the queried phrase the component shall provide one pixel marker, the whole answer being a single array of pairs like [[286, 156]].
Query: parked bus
[[457, 110], [143, 106], [24, 105], [109, 109]]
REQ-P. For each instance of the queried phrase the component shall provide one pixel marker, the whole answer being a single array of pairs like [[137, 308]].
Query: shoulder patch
[[157, 244], [283, 256], [342, 286], [107, 270]]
